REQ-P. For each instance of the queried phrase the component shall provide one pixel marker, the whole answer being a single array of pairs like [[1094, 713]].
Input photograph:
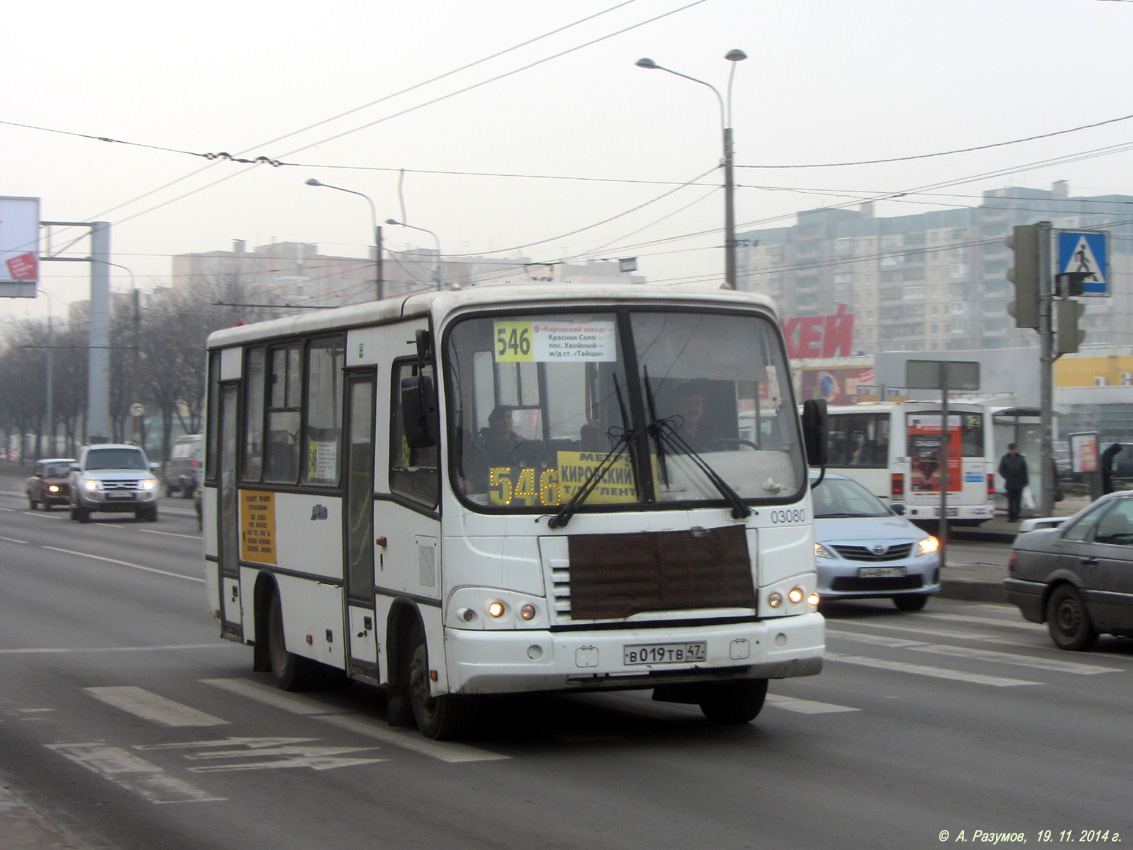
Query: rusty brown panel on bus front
[[617, 575]]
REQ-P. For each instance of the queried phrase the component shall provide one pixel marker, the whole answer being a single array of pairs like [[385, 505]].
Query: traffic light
[[1024, 241], [1068, 336]]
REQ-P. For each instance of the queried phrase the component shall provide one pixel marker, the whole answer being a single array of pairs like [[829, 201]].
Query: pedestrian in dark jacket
[[1013, 470]]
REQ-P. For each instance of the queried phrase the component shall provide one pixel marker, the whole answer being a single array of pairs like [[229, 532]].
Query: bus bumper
[[492, 662]]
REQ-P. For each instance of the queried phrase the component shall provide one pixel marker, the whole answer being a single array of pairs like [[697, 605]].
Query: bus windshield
[[635, 407]]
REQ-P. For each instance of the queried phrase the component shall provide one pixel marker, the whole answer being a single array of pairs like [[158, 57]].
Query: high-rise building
[[933, 281]]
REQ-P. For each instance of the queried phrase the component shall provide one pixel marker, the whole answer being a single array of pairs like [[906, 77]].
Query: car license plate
[[664, 653], [120, 495], [881, 572]]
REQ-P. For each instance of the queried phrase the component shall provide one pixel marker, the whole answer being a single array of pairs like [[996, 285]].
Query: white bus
[[894, 450], [367, 508]]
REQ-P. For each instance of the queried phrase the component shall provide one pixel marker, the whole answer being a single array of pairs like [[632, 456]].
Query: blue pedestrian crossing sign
[[1085, 253]]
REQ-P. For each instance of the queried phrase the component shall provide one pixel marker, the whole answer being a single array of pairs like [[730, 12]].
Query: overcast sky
[[525, 124]]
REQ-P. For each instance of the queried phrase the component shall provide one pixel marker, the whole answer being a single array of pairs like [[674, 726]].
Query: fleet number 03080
[[788, 515]]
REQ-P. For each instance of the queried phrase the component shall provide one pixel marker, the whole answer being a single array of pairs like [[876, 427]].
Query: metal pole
[[379, 287], [98, 372], [943, 530], [1046, 367], [729, 213]]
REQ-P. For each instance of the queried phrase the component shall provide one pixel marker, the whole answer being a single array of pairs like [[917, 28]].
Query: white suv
[[113, 477]]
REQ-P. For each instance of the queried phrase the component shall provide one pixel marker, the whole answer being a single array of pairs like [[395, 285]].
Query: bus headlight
[[496, 609], [775, 599], [527, 612], [796, 595]]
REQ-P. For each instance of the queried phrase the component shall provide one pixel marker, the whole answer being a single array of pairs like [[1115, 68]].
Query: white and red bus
[[499, 490], [894, 449]]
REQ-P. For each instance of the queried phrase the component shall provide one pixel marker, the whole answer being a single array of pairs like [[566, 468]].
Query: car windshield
[[841, 497], [115, 459], [620, 409]]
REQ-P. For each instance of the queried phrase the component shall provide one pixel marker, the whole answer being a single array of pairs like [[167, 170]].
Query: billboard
[[19, 247]]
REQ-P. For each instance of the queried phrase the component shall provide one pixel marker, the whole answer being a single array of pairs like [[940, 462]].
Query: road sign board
[[1085, 252]]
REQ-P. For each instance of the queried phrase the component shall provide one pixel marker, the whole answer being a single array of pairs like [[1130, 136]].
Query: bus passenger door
[[358, 515], [231, 622]]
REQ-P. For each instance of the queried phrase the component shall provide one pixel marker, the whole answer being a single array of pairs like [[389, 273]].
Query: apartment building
[[933, 281]]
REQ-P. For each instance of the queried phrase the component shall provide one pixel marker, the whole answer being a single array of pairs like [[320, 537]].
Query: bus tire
[[292, 672], [733, 702], [439, 718]]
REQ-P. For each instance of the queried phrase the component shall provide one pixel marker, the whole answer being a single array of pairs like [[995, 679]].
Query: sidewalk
[[983, 582]]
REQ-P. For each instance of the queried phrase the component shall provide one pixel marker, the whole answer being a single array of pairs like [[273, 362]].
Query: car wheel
[[439, 718], [910, 601], [83, 514], [1068, 621], [733, 702], [147, 514], [32, 504], [74, 513], [47, 506]]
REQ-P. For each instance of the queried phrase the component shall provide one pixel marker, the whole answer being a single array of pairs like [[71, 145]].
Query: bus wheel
[[439, 718], [733, 702], [292, 672]]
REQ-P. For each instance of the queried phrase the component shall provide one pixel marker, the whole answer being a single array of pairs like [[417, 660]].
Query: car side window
[[1116, 527], [1080, 530]]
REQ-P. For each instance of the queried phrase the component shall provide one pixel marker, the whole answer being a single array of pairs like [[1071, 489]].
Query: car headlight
[[927, 546], [821, 551], [90, 485], [147, 484]]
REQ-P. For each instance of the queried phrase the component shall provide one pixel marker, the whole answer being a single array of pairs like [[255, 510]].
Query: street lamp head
[[647, 63], [392, 221], [313, 182], [735, 55]]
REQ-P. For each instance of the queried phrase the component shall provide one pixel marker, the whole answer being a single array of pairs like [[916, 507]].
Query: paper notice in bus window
[[322, 461], [257, 526], [545, 342]]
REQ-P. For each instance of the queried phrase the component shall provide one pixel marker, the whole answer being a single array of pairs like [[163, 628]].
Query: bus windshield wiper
[[584, 490], [665, 434], [625, 441]]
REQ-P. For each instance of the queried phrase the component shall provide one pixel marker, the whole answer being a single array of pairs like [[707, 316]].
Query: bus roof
[[440, 304]]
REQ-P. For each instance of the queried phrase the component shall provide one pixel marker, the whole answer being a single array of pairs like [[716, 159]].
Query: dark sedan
[[50, 483], [1078, 576]]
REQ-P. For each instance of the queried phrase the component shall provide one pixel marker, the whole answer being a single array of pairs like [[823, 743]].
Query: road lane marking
[[13, 540], [235, 754], [806, 706], [172, 647], [983, 621], [409, 739], [169, 533], [935, 672], [149, 706], [125, 564], [1052, 664], [133, 773]]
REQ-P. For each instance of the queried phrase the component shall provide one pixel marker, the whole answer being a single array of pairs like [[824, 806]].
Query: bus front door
[[358, 516]]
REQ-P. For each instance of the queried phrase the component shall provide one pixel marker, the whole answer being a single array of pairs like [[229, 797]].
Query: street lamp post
[[732, 56], [378, 288], [436, 239]]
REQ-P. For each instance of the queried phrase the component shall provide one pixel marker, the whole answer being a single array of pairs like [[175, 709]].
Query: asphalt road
[[126, 723]]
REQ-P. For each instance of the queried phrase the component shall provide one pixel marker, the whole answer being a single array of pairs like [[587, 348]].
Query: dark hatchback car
[[50, 483], [1078, 577]]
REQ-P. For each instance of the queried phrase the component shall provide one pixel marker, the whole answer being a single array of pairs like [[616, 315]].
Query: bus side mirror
[[815, 431], [419, 418]]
